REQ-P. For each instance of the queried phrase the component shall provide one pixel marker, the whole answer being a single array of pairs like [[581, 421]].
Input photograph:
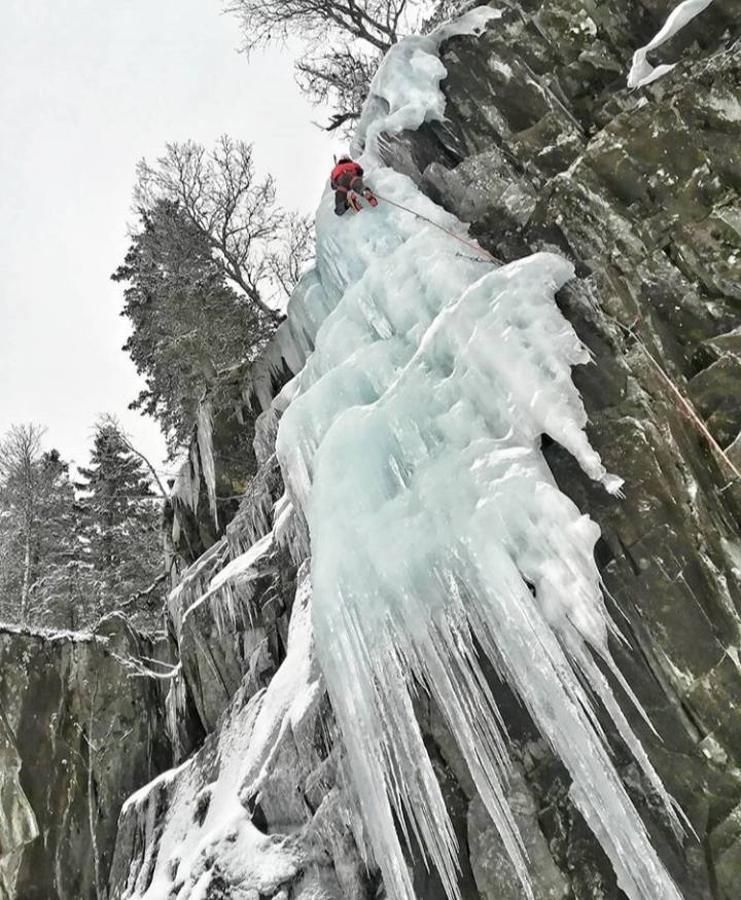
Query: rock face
[[77, 735], [256, 811], [543, 148]]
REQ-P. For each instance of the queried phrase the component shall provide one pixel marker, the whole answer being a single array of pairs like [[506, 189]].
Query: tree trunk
[[26, 586]]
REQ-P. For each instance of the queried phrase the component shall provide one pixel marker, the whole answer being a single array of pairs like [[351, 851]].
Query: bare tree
[[292, 253], [338, 77], [222, 198], [345, 41], [20, 453], [42, 572], [375, 22]]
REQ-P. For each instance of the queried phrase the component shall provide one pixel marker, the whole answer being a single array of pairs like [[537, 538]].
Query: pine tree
[[60, 597], [120, 519], [188, 325]]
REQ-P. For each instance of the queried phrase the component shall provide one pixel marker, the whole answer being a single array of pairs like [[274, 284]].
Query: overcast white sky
[[86, 89]]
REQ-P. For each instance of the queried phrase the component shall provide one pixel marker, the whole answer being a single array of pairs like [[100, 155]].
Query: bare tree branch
[[221, 196], [292, 254], [343, 39]]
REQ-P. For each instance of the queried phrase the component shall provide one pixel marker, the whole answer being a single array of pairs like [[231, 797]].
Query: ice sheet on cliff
[[410, 441]]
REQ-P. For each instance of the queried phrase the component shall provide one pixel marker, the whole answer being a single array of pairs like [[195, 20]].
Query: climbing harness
[[458, 237]]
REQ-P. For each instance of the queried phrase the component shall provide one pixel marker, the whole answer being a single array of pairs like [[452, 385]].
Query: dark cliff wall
[[545, 148], [78, 736]]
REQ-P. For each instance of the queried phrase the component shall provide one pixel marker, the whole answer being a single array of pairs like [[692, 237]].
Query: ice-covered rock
[[410, 440], [620, 189]]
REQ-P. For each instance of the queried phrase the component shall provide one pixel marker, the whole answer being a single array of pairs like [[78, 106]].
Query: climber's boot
[[353, 201]]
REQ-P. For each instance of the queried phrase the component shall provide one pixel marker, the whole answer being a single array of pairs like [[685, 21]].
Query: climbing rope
[[457, 237], [684, 404]]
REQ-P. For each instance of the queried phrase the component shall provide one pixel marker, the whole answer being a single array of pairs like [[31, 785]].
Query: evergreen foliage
[[188, 325], [72, 552], [120, 518]]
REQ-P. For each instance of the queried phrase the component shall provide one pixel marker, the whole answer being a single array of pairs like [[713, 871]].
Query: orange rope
[[684, 404], [452, 234], [694, 418]]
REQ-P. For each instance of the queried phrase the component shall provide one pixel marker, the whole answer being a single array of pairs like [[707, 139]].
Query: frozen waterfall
[[410, 442]]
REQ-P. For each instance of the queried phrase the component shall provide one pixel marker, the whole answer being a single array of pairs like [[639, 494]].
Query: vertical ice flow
[[410, 442]]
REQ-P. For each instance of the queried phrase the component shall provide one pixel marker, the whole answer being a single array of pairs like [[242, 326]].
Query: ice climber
[[347, 183]]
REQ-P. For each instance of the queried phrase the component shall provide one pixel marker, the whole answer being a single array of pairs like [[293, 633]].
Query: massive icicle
[[410, 441], [205, 434]]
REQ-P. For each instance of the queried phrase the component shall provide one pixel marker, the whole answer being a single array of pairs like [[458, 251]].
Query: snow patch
[[204, 819], [144, 793], [642, 72]]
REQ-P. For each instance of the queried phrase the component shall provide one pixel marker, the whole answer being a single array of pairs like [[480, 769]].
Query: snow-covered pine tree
[[120, 517], [187, 323], [60, 595]]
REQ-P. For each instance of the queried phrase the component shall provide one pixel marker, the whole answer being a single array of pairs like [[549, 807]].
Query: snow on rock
[[195, 582], [205, 838], [641, 71], [410, 441], [230, 590]]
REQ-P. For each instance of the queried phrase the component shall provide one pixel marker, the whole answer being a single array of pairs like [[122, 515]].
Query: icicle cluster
[[410, 443], [205, 434]]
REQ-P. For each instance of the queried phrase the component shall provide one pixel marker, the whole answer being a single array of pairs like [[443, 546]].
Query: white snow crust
[[410, 442], [180, 852], [641, 71]]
